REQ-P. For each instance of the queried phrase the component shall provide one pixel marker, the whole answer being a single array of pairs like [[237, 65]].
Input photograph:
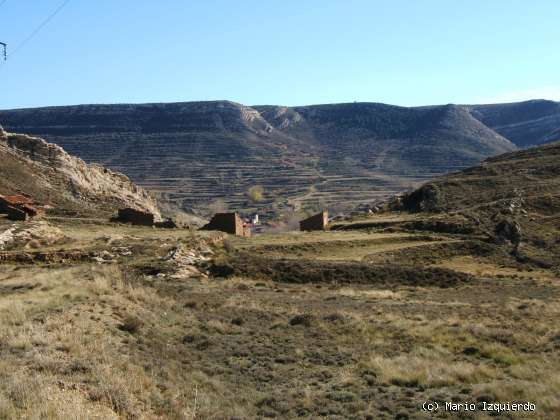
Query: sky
[[290, 52]]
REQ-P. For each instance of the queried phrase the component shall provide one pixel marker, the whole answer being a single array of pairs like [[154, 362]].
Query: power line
[[3, 44], [38, 28]]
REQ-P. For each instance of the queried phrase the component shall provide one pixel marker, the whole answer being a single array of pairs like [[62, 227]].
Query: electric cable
[[38, 28]]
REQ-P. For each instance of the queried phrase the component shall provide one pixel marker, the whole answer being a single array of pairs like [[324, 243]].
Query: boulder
[[508, 231]]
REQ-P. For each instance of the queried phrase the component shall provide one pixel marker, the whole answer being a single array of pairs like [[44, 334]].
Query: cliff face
[[44, 170]]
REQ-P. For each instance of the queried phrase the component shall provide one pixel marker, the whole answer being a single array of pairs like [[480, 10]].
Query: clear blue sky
[[291, 52]]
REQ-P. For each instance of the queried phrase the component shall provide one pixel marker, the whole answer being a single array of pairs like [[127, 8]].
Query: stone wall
[[229, 223], [16, 214], [136, 217], [18, 207], [318, 221]]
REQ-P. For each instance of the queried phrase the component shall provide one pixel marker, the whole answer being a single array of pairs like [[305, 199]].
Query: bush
[[131, 324], [256, 193]]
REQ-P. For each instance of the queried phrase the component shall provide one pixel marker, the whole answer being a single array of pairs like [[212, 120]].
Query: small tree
[[256, 193]]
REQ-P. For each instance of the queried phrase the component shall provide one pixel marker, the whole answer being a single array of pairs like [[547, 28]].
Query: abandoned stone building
[[166, 224], [318, 221], [135, 217], [19, 207], [230, 223], [142, 218], [16, 214]]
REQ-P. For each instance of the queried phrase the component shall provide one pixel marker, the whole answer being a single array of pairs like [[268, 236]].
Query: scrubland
[[133, 336]]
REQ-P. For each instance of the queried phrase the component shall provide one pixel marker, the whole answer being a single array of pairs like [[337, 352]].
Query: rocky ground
[[448, 294], [112, 321]]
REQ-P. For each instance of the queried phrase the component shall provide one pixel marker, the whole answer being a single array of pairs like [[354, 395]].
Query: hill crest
[[305, 157]]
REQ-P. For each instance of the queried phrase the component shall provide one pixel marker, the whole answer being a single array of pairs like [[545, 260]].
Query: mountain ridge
[[195, 153]]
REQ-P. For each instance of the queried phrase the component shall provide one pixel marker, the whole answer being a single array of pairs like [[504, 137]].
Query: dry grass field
[[134, 336]]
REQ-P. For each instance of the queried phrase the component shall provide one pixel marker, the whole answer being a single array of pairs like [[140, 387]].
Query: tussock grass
[[65, 352], [543, 390], [428, 368], [113, 341]]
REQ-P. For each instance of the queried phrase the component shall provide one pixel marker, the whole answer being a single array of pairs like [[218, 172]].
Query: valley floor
[[132, 330]]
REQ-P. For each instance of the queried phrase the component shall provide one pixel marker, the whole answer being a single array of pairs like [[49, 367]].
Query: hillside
[[526, 124], [51, 176], [367, 320], [513, 197], [336, 155], [195, 152], [532, 175], [392, 140]]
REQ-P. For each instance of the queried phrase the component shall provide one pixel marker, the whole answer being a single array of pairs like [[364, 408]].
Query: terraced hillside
[[333, 155], [368, 321]]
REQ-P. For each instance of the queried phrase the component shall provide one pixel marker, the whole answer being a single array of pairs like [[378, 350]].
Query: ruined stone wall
[[136, 217], [16, 214], [318, 221], [229, 223]]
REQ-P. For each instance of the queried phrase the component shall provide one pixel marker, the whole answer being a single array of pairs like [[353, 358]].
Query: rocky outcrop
[[46, 166], [34, 235], [426, 198], [281, 117], [190, 262]]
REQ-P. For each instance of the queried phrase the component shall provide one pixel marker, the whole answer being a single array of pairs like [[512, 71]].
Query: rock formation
[[45, 171]]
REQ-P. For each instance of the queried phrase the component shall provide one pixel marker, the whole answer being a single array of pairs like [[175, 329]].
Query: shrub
[[131, 324], [256, 193]]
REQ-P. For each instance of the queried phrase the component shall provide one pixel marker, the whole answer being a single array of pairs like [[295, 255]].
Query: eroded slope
[[45, 171]]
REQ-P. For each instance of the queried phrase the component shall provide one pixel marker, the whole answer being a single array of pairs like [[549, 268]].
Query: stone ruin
[[19, 207], [230, 223], [319, 221], [509, 230], [142, 218], [136, 217]]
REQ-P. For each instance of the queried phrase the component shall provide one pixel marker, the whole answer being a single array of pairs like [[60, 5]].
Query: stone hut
[[317, 222], [19, 207], [16, 214], [229, 223], [166, 224], [136, 217]]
